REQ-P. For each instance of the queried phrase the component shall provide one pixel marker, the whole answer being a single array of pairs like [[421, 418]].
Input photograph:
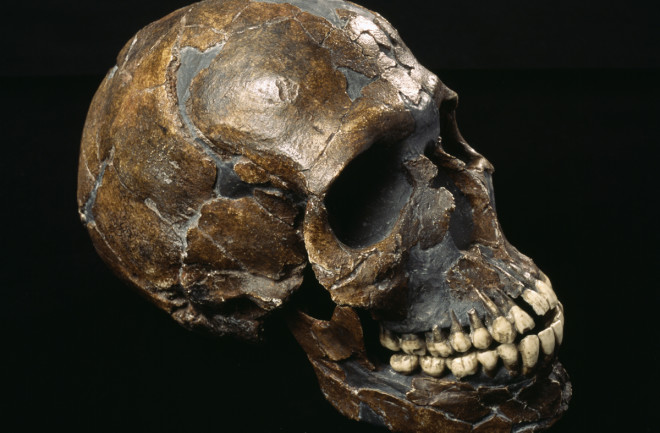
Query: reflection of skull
[[237, 141]]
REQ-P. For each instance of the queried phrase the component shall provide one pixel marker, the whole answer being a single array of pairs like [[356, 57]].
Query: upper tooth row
[[503, 330]]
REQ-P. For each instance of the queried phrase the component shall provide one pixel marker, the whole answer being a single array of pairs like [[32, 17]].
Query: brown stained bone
[[237, 143]]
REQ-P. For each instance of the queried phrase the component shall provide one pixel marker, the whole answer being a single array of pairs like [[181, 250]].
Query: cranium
[[238, 144]]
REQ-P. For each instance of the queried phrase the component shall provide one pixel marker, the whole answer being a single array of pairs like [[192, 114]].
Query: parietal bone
[[242, 151]]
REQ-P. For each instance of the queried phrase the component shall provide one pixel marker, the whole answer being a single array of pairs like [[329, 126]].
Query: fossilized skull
[[238, 143]]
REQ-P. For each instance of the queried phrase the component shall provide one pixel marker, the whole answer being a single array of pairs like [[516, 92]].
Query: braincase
[[282, 96], [203, 144], [297, 89]]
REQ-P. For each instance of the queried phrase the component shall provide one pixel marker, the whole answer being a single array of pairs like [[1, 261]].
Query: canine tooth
[[432, 365], [545, 289], [536, 301], [558, 328], [481, 338], [502, 330], [521, 319], [389, 340], [547, 339], [413, 344], [488, 359], [436, 343], [403, 363], [463, 365], [509, 355], [529, 352], [459, 341]]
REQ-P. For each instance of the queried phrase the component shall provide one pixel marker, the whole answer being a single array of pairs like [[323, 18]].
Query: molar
[[403, 363], [437, 344], [389, 340], [433, 366], [412, 344], [465, 365]]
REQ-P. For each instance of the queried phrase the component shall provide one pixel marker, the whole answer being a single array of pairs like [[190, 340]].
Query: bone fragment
[[536, 301], [437, 344], [502, 330], [547, 339], [403, 363], [413, 344], [481, 338], [465, 365], [488, 359], [389, 340], [545, 289], [433, 366], [459, 341], [509, 355], [521, 319], [529, 352]]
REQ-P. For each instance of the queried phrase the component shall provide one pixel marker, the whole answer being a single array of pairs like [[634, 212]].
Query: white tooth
[[432, 365], [481, 338], [509, 355], [521, 319], [488, 359], [459, 341], [536, 301], [529, 352], [404, 364], [502, 330], [412, 344], [546, 290], [464, 365], [389, 340], [547, 338], [558, 328], [436, 343]]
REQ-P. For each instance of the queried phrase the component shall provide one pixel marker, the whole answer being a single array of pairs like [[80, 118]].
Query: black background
[[562, 97]]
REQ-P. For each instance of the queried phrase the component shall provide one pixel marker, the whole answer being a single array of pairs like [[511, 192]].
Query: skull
[[238, 144]]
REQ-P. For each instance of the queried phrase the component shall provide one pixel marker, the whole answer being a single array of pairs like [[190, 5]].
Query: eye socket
[[364, 202]]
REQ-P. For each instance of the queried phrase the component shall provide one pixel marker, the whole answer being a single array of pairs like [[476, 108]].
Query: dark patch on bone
[[367, 414], [461, 224], [228, 184], [365, 201], [355, 82], [325, 8], [430, 298]]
